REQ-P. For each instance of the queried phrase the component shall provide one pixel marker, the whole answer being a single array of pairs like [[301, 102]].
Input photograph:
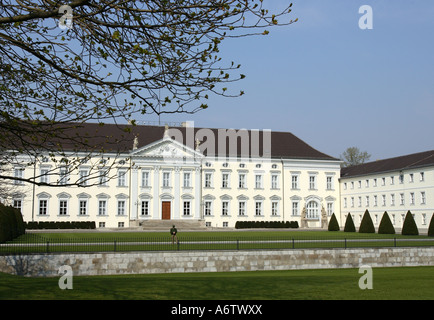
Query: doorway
[[165, 209]]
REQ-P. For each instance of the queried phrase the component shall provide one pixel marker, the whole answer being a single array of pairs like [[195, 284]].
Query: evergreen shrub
[[409, 227], [333, 224], [367, 226], [431, 227], [386, 226], [349, 224]]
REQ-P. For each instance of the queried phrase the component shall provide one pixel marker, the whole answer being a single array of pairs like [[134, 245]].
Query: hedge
[[265, 224], [386, 226], [61, 225], [349, 224], [367, 226], [333, 224], [409, 227], [11, 223]]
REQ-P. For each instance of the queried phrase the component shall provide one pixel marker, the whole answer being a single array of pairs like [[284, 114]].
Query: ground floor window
[[312, 211], [145, 208], [186, 208]]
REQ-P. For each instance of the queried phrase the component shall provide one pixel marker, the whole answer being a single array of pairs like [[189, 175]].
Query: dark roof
[[119, 138], [410, 161]]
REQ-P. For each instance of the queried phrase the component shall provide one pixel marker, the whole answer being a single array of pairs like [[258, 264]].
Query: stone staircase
[[165, 225]]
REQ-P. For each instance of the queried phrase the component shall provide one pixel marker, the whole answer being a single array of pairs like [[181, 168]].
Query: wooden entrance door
[[165, 209]]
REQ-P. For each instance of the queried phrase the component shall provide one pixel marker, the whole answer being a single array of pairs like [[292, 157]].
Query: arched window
[[312, 211]]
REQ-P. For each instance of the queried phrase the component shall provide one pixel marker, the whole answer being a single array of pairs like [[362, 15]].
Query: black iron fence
[[33, 243]]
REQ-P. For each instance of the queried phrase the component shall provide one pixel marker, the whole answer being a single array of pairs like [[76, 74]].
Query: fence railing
[[38, 244]]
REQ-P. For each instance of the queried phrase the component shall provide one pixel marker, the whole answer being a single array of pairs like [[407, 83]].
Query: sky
[[333, 84]]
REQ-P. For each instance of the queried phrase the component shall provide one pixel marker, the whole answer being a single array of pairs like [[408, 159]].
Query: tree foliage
[[333, 224], [96, 61], [354, 156]]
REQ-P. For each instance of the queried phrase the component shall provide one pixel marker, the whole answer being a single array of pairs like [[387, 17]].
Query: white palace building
[[214, 176]]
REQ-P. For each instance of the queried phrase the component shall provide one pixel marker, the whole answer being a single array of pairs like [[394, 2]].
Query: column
[[156, 196]]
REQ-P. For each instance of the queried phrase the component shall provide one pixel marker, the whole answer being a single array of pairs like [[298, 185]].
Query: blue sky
[[333, 84]]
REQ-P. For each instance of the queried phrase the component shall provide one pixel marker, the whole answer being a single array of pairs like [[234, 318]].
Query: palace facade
[[218, 176]]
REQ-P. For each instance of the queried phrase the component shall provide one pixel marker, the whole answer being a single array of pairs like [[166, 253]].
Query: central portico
[[166, 181]]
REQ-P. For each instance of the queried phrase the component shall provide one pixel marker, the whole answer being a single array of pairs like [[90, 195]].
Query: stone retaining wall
[[213, 261]]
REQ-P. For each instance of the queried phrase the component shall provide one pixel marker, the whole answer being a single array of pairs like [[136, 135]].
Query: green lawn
[[388, 283]]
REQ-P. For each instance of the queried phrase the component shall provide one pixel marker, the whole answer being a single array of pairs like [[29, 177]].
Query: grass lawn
[[405, 283]]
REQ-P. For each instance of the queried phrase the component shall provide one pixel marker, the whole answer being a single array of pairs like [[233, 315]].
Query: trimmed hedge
[[386, 226], [409, 228], [431, 227], [333, 224], [11, 223], [61, 225], [349, 224], [367, 226], [265, 224]]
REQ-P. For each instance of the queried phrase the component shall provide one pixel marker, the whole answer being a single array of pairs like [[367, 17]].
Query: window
[[367, 183], [225, 180], [424, 218], [402, 199], [258, 208], [360, 184], [392, 199], [145, 179], [242, 208], [312, 211], [19, 174], [44, 176], [18, 204], [43, 207], [422, 197], [294, 180], [392, 180], [208, 180], [274, 181], [345, 202], [401, 178], [258, 181], [422, 176], [274, 208], [187, 179], [225, 208], [121, 207], [186, 208], [166, 179], [375, 182], [367, 201], [375, 200], [101, 225], [82, 208], [83, 175], [144, 208], [312, 182], [360, 201], [295, 211], [411, 177], [102, 207], [122, 181], [383, 197], [411, 197], [345, 186], [352, 202], [103, 178], [121, 224], [63, 176], [330, 208], [329, 183], [207, 208], [63, 207], [241, 181]]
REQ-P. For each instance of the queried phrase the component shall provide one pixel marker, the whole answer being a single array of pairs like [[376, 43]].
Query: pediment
[[167, 149]]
